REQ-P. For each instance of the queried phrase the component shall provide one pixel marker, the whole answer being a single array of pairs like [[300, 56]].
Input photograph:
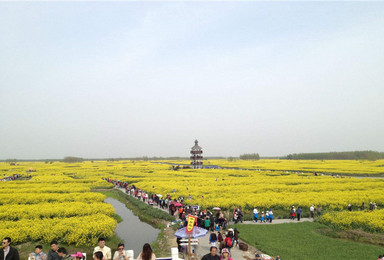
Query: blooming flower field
[[56, 201], [371, 221], [53, 205]]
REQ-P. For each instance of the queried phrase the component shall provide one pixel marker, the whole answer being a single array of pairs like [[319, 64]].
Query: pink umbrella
[[178, 204]]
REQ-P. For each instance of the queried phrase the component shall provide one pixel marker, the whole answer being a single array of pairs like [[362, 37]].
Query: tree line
[[354, 155]]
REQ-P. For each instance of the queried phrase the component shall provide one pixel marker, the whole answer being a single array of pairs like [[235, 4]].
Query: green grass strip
[[300, 241]]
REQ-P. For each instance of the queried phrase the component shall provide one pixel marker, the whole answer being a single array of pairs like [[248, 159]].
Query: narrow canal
[[134, 232]]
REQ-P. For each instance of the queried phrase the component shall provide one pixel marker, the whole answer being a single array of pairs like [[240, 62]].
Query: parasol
[[196, 233]]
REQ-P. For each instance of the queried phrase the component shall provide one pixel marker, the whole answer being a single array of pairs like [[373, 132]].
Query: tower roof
[[196, 147]]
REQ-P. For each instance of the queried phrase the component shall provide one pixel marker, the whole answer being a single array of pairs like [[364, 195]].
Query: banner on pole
[[191, 224]]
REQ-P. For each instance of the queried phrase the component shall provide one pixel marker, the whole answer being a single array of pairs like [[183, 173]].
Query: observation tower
[[196, 156]]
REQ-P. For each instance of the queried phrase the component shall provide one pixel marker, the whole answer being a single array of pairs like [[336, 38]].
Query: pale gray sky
[[124, 79]]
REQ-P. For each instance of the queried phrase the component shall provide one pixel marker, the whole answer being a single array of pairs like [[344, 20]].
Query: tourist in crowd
[[312, 211], [255, 214], [298, 212], [178, 241], [207, 223], [52, 254], [212, 254], [318, 210], [262, 217], [225, 254], [98, 255], [38, 254], [78, 256], [227, 242], [292, 213], [257, 257], [212, 238], [219, 237], [120, 254], [62, 252], [236, 237], [107, 254], [8, 252], [270, 215], [362, 206], [212, 220], [147, 253], [237, 215]]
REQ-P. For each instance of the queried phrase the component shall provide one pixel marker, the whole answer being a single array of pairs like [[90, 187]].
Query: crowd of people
[[11, 178], [176, 207], [100, 252]]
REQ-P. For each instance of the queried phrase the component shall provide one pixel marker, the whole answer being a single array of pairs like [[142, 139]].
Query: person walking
[[292, 213], [298, 212], [270, 215], [312, 211], [236, 237], [318, 210], [212, 238], [255, 214]]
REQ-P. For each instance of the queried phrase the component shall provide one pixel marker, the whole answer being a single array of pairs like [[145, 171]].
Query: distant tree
[[355, 155], [72, 159], [252, 156]]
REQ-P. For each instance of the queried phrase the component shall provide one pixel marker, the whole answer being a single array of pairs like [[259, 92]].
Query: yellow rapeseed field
[[372, 221], [53, 204], [55, 200]]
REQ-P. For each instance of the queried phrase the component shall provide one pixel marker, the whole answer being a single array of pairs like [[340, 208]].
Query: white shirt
[[6, 252], [255, 211], [106, 252], [125, 253]]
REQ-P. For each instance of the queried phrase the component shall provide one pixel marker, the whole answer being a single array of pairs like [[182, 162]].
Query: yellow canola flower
[[371, 221]]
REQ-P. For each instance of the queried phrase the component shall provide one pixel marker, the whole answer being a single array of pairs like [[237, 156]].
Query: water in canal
[[134, 232]]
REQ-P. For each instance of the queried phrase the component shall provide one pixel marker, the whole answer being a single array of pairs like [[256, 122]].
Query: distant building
[[196, 156]]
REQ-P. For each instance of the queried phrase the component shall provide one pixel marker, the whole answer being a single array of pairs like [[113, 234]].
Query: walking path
[[237, 254]]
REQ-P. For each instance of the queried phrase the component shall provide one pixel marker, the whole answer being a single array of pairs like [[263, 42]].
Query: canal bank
[[145, 214], [131, 230]]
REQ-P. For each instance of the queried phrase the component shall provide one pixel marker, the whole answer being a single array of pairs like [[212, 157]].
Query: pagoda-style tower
[[196, 156]]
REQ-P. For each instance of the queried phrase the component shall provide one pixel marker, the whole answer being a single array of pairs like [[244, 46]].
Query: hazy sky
[[123, 79]]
